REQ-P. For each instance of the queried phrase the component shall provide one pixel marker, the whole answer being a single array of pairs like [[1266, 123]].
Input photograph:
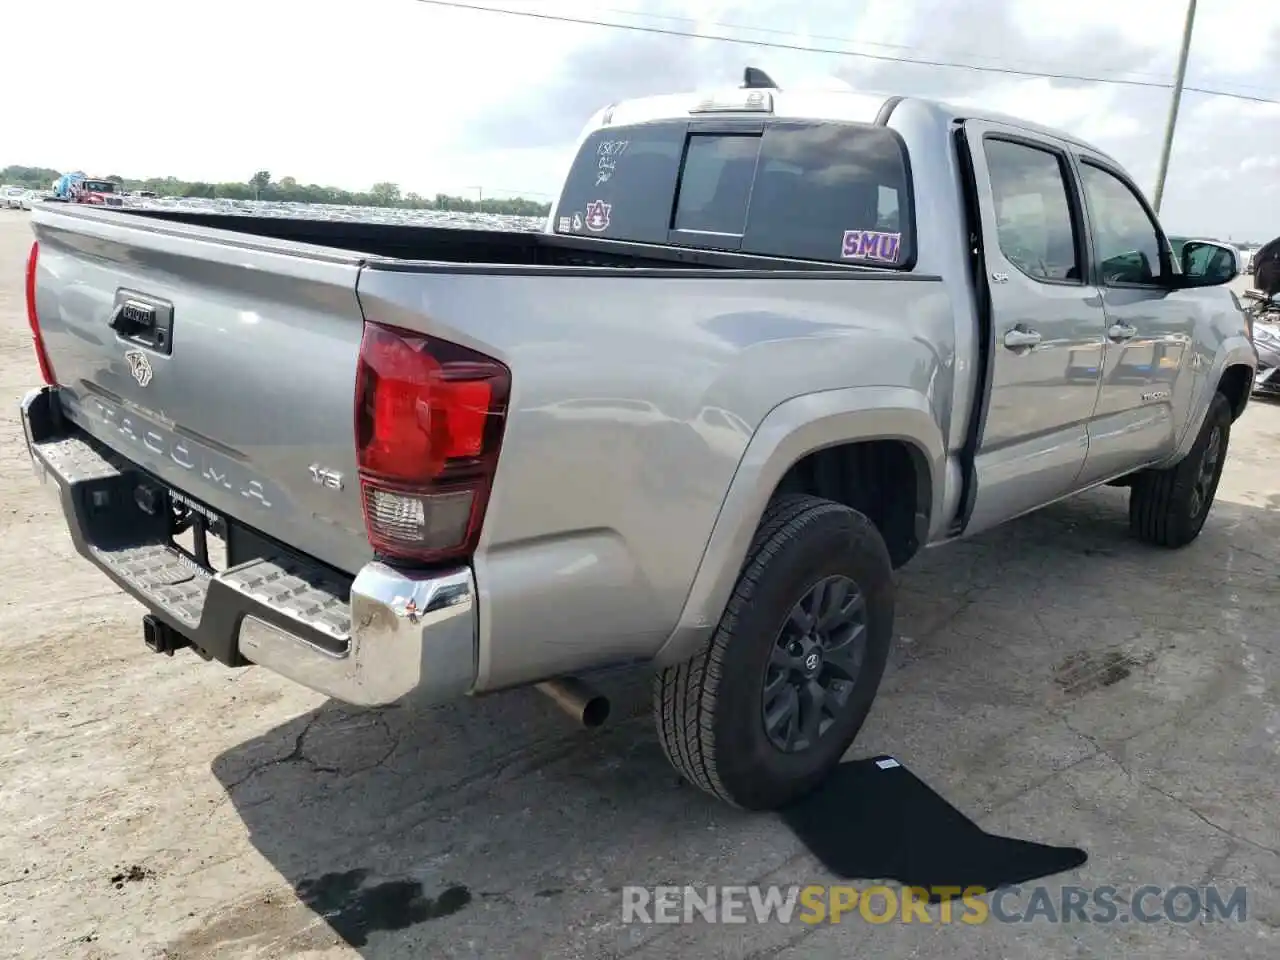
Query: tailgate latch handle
[[132, 317]]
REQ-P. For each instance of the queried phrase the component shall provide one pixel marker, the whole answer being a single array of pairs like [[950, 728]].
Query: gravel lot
[[1054, 680]]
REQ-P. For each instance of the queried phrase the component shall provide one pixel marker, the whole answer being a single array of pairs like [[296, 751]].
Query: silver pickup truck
[[768, 347]]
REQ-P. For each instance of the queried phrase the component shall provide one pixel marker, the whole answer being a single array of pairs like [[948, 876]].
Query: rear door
[[1147, 380], [1048, 323], [223, 364]]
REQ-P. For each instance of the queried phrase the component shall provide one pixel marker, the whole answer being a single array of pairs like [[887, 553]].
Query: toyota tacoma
[[769, 346]]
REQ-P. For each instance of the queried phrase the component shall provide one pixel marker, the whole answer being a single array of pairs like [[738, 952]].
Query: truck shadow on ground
[[495, 826]]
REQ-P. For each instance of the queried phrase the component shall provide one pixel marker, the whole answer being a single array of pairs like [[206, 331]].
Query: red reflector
[[429, 421], [33, 321]]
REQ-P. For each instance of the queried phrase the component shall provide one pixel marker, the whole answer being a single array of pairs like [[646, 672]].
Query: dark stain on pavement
[[1088, 670], [355, 910]]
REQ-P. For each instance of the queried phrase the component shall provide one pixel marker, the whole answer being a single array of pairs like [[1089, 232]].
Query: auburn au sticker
[[597, 218], [871, 245]]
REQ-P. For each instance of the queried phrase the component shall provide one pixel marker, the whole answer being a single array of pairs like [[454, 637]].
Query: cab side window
[[1125, 237], [1034, 223]]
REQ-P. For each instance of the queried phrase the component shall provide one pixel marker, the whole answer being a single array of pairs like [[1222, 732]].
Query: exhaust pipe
[[584, 703]]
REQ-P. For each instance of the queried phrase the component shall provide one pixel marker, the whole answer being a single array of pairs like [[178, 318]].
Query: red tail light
[[429, 422], [42, 356]]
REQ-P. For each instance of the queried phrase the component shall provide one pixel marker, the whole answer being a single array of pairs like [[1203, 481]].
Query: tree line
[[261, 186]]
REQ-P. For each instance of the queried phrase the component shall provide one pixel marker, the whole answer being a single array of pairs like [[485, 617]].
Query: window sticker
[[871, 245], [609, 151], [597, 219], [564, 224], [577, 221]]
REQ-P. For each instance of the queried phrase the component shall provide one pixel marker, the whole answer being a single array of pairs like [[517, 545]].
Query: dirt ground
[[1053, 679]]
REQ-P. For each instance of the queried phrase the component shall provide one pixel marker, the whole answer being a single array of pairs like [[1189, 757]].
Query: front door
[[1147, 379], [1048, 324]]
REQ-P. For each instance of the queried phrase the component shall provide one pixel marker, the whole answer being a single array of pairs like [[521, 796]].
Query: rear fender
[[792, 430]]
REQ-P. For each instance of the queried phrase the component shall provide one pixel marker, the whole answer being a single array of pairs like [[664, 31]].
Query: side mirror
[[1209, 264]]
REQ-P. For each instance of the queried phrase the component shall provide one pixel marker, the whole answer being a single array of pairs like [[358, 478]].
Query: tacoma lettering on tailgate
[[145, 441]]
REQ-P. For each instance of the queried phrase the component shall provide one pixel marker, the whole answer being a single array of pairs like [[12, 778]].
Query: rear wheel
[[764, 713], [1168, 507]]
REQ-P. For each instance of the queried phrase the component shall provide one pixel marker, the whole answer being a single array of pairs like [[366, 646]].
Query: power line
[[862, 43], [811, 36], [830, 51]]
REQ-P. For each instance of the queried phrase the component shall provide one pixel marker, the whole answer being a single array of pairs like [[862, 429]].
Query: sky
[[453, 101]]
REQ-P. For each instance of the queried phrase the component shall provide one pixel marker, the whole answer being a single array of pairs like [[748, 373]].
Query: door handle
[[1021, 336], [1121, 332]]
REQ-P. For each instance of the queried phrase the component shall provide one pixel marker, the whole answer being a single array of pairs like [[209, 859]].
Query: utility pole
[[1167, 147]]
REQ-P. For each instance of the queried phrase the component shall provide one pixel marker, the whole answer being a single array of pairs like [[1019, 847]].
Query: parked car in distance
[[770, 345], [1266, 339]]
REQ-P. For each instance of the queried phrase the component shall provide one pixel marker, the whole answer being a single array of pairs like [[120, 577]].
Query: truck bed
[[477, 247]]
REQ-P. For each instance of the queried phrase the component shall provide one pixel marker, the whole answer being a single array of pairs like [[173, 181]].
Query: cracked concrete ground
[[1052, 679]]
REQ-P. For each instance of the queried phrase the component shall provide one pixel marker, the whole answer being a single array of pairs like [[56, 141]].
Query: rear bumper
[[387, 636]]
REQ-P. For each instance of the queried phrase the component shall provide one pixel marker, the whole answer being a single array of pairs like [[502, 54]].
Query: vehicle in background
[[11, 197], [770, 345], [98, 193], [32, 197], [1264, 313], [143, 194], [65, 186], [95, 191]]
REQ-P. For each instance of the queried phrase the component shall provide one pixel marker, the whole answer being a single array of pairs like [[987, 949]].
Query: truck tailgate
[[229, 370]]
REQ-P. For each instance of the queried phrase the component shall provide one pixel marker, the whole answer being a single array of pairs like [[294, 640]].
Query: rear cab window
[[811, 190]]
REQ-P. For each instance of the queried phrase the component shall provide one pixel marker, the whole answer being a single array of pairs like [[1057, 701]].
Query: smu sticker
[[597, 218], [871, 245]]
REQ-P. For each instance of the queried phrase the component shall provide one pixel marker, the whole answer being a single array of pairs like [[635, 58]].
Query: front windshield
[[100, 186]]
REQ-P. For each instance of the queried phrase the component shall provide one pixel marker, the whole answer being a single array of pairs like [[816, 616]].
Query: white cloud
[[328, 91], [335, 91], [1094, 114]]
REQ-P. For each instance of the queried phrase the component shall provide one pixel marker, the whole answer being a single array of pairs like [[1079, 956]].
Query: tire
[[1168, 508], [710, 710]]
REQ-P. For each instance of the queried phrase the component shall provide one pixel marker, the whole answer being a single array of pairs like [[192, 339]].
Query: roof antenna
[[753, 78]]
